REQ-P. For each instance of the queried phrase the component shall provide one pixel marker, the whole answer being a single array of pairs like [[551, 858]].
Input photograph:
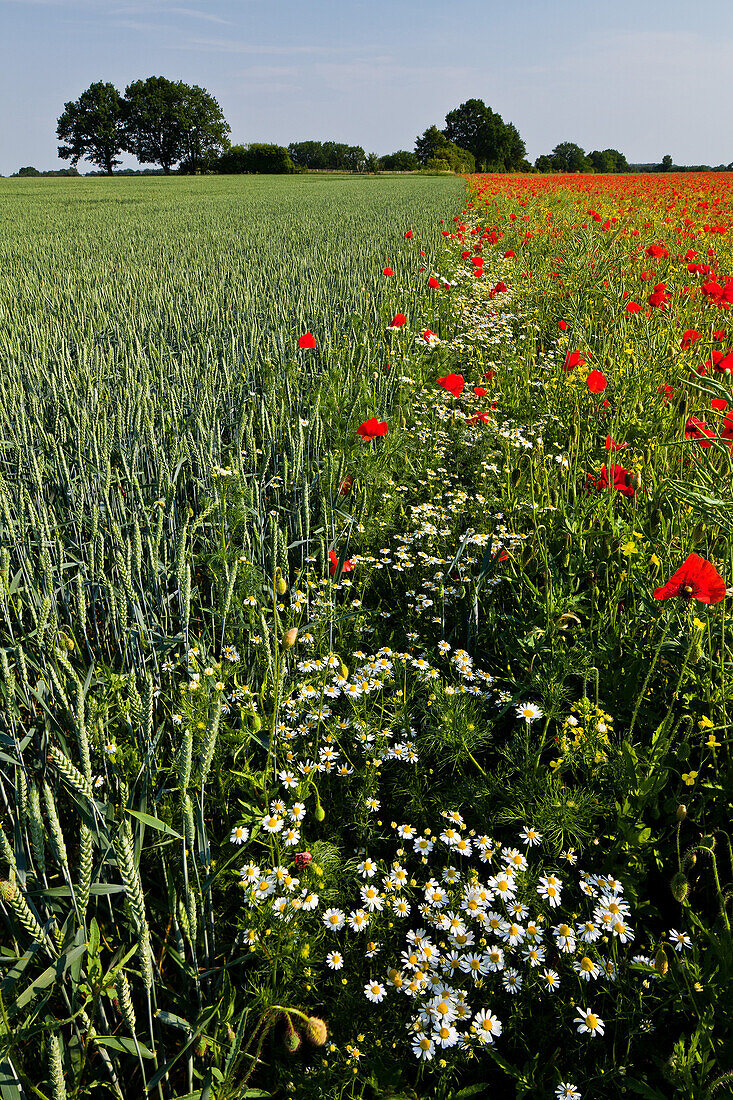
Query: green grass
[[209, 585]]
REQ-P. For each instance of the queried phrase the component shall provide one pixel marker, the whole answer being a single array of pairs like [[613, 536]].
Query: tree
[[493, 143], [371, 163], [608, 160], [261, 159], [354, 159], [29, 170], [307, 154], [666, 165], [204, 129], [569, 157], [401, 161], [93, 127], [169, 121], [433, 147]]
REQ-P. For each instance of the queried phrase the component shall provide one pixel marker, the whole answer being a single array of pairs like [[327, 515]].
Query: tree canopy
[[495, 145], [93, 127], [256, 158], [169, 121], [434, 150]]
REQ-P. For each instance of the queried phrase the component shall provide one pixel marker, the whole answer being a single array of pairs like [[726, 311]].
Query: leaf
[[53, 974], [471, 1090], [172, 1020], [155, 823], [124, 1045]]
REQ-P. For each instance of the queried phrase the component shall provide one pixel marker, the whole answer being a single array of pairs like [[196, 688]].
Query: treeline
[[181, 126]]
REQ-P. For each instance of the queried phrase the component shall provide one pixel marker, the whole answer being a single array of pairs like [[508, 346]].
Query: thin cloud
[[224, 45]]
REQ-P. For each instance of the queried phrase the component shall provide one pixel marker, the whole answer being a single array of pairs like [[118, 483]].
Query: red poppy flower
[[719, 404], [480, 391], [633, 307], [688, 338], [388, 271], [696, 579], [408, 235], [562, 325], [372, 429], [698, 429], [612, 445], [433, 283], [334, 560], [453, 383], [659, 296], [667, 390], [719, 334], [508, 255], [573, 359], [398, 321], [482, 417], [345, 486], [489, 374], [621, 480], [596, 381], [307, 340]]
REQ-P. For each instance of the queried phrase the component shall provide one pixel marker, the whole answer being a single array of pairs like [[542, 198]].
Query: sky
[[647, 77]]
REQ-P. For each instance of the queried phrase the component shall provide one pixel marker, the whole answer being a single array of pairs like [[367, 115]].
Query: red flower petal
[[696, 579], [596, 381], [307, 340], [372, 429]]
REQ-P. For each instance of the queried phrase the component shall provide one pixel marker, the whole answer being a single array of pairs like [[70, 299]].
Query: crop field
[[365, 647]]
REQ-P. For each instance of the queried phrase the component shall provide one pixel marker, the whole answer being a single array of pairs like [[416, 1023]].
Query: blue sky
[[648, 77]]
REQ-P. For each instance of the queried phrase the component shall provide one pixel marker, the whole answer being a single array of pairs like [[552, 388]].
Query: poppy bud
[[256, 723], [683, 404], [291, 1038], [681, 813], [281, 584], [636, 481], [515, 475], [680, 887], [316, 1031], [661, 962], [289, 637]]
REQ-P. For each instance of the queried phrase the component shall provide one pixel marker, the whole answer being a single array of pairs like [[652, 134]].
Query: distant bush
[[401, 161], [255, 159]]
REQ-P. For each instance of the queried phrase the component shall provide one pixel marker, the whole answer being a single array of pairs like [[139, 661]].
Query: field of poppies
[[364, 560]]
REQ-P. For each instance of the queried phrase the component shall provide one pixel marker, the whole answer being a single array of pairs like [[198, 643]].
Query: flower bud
[[681, 813], [289, 637], [661, 962], [680, 886], [316, 1031], [281, 585], [291, 1038]]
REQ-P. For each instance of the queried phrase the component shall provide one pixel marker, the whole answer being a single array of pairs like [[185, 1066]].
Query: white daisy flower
[[588, 1023]]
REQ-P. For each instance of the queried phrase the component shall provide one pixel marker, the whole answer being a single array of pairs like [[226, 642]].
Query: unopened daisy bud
[[661, 962], [316, 1031], [289, 637], [680, 887]]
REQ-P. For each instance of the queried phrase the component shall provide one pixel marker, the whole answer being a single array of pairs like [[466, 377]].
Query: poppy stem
[[654, 660]]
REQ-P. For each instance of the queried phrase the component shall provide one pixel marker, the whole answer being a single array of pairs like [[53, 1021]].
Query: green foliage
[[494, 144], [93, 127], [168, 121], [238, 159]]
